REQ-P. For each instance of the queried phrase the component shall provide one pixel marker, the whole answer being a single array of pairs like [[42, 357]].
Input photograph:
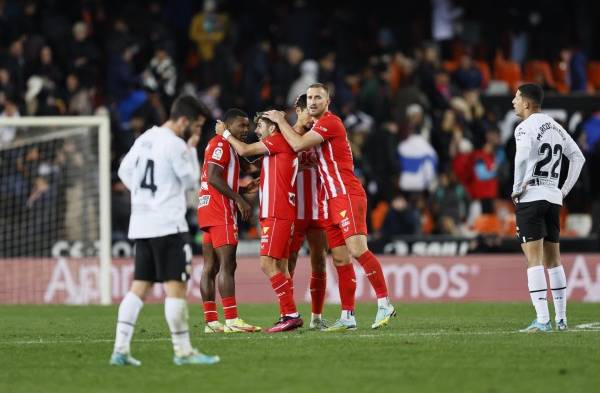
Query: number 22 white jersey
[[157, 170], [541, 143]]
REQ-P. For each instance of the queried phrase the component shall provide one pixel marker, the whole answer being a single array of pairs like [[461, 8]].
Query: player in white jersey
[[157, 170], [541, 144]]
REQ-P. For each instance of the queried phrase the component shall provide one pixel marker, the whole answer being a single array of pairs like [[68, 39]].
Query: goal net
[[55, 210]]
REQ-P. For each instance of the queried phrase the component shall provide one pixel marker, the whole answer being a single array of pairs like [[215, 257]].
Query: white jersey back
[[546, 141], [155, 171]]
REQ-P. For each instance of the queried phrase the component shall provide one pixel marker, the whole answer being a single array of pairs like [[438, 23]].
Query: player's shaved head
[[533, 93]]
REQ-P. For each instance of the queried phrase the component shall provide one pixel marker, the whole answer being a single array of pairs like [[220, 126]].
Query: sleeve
[[523, 142], [327, 128], [274, 144], [127, 167], [184, 161], [576, 161], [218, 153]]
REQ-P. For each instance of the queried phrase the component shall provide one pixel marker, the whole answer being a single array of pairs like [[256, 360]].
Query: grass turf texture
[[427, 348]]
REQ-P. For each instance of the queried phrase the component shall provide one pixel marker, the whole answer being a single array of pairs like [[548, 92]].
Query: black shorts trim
[[165, 258], [538, 220]]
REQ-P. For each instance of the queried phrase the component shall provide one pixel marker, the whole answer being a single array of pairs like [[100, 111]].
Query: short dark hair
[[260, 116], [189, 107], [532, 92], [232, 113], [321, 86], [301, 102]]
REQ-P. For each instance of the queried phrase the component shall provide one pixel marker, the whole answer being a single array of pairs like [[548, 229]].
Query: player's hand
[[275, 116], [220, 127], [193, 141], [252, 187], [516, 194], [244, 208]]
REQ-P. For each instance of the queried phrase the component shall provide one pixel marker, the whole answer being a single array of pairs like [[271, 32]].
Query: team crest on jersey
[[217, 154], [204, 185], [203, 201]]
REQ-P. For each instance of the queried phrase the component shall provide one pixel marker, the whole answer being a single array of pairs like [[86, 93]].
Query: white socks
[[536, 281], [176, 314], [383, 302], [558, 285], [347, 315], [128, 313]]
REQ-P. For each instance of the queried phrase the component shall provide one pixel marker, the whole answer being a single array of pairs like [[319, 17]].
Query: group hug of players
[[307, 189]]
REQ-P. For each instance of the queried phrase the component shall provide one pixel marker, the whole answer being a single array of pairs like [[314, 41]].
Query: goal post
[[48, 135]]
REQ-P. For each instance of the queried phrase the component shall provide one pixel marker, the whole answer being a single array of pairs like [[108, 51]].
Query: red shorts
[[220, 235], [301, 227], [275, 236], [348, 217]]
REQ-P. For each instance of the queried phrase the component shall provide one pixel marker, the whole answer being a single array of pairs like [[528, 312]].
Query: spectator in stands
[[309, 70], [78, 98], [450, 205], [47, 69], [83, 55], [8, 133], [401, 219], [467, 76], [485, 163], [208, 29], [285, 72], [416, 121], [418, 162], [160, 75]]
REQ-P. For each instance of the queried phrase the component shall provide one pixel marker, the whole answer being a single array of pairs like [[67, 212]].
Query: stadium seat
[[593, 74], [378, 215], [560, 74], [484, 68], [539, 71], [508, 71], [487, 224], [450, 66]]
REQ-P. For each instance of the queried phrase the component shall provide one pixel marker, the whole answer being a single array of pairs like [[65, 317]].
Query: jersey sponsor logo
[[220, 144], [204, 200], [217, 154]]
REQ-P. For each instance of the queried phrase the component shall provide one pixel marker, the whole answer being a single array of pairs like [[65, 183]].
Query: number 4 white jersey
[[157, 170], [541, 143]]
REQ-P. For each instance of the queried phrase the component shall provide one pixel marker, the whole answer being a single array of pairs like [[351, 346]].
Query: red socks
[[318, 281], [229, 307], [347, 283], [210, 311], [281, 286], [374, 273]]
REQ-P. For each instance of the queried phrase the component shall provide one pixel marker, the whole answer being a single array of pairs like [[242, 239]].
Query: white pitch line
[[297, 336]]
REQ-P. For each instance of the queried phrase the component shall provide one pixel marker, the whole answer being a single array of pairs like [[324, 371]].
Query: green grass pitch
[[427, 348]]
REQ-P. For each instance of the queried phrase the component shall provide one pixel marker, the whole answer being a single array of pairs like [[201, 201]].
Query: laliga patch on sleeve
[[217, 154]]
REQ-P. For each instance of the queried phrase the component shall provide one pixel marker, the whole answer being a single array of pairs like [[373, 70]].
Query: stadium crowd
[[408, 87]]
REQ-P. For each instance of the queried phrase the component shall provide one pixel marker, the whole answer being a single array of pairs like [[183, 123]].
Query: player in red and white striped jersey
[[311, 219], [277, 210], [217, 217], [347, 202]]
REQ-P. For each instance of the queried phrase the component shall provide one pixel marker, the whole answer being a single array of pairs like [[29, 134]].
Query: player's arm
[[185, 163], [245, 149], [297, 142], [523, 149], [576, 161], [215, 179], [127, 168]]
